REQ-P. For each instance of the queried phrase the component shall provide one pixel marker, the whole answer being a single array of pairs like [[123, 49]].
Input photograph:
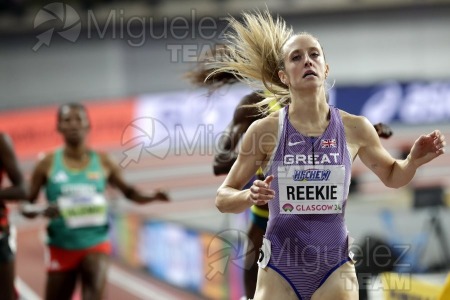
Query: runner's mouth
[[309, 73]]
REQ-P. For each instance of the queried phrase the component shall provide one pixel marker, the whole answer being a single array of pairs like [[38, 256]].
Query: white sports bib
[[83, 210], [311, 189], [264, 253]]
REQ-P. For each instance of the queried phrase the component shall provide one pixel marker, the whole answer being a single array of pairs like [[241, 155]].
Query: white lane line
[[171, 172], [193, 193], [136, 286], [25, 292]]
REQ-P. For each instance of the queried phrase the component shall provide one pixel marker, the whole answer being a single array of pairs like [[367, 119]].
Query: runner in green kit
[[74, 191], [75, 178]]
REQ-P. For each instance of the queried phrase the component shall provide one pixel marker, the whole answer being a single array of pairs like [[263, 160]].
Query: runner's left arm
[[8, 161], [116, 179]]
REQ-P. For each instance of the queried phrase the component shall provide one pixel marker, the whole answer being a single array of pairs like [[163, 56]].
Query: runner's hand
[[162, 196], [260, 191], [52, 211], [383, 130]]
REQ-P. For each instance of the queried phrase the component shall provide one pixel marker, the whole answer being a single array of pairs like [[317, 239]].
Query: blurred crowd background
[[126, 61]]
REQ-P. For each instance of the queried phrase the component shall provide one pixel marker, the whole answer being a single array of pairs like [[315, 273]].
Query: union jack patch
[[328, 143]]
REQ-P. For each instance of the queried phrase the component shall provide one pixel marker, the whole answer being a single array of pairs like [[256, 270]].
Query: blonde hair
[[255, 55], [201, 75]]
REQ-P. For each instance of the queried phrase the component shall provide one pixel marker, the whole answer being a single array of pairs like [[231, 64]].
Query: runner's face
[[73, 125], [304, 63]]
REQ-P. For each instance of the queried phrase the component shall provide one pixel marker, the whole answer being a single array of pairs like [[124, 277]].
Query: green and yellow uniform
[[83, 220]]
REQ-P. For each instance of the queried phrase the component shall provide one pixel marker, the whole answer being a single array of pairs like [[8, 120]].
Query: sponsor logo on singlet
[[311, 175]]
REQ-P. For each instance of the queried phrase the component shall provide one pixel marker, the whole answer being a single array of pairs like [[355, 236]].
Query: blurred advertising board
[[393, 102], [124, 228], [201, 262], [185, 120], [33, 130]]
